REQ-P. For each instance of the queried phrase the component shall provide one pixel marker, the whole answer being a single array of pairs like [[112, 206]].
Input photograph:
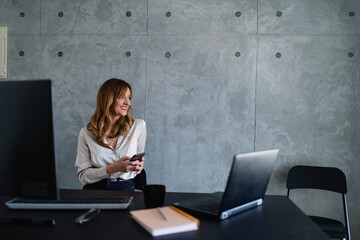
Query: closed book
[[167, 220]]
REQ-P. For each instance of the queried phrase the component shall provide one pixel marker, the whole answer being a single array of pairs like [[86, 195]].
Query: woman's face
[[122, 104]]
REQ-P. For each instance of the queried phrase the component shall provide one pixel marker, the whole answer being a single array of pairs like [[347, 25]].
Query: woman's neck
[[112, 127], [115, 119]]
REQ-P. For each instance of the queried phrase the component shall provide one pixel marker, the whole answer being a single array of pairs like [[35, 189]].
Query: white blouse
[[92, 158]]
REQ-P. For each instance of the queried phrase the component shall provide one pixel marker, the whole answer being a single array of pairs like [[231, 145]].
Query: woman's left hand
[[139, 165]]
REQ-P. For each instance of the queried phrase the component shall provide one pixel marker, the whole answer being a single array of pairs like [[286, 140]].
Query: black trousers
[[139, 182], [112, 184]]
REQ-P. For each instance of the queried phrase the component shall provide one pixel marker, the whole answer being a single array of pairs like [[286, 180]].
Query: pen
[[162, 214], [87, 216], [28, 221], [186, 215]]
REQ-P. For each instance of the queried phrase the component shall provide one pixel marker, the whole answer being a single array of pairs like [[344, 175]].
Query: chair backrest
[[325, 178], [140, 180]]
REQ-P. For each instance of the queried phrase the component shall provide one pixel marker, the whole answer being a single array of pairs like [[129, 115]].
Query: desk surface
[[278, 219]]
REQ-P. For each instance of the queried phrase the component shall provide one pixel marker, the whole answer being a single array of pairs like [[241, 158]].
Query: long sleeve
[[86, 172]]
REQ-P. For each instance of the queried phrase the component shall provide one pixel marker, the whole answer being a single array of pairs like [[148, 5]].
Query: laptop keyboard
[[211, 207], [118, 202]]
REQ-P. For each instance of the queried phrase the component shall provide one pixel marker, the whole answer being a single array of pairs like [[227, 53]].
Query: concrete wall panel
[[207, 16], [94, 17], [308, 106], [309, 17], [21, 16], [23, 57], [200, 109]]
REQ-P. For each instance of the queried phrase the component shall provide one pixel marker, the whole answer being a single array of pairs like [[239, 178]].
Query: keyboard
[[71, 203], [210, 207]]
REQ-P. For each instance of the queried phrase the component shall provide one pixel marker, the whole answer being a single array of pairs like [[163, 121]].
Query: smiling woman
[[112, 136]]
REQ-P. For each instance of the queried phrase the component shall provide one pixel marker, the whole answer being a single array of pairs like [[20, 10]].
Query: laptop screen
[[27, 153], [248, 178]]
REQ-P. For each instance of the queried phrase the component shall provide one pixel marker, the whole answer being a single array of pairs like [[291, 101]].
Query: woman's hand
[[121, 165], [139, 165]]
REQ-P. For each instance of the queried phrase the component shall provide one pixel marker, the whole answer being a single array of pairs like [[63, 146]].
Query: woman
[[112, 136]]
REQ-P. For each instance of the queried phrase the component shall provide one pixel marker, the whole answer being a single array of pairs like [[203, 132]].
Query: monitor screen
[[27, 152]]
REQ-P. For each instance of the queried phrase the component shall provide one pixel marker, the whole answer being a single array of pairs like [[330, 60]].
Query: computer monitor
[[27, 149]]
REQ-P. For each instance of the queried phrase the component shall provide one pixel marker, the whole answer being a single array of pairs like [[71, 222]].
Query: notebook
[[27, 151], [246, 186], [165, 220]]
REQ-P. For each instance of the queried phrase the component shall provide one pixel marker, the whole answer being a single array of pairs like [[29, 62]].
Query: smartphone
[[137, 156]]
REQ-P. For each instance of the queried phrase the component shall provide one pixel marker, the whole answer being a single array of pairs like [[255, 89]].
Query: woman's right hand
[[121, 165]]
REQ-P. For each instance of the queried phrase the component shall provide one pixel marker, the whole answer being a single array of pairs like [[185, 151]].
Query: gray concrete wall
[[211, 78]]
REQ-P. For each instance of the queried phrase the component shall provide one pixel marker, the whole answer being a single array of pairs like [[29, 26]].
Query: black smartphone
[[137, 156]]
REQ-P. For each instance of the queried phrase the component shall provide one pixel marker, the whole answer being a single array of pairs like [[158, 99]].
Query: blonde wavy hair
[[101, 120]]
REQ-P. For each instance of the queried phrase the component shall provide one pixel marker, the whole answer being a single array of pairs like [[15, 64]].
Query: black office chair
[[325, 178], [140, 180]]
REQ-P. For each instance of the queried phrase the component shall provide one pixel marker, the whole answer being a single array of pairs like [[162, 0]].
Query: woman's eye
[[123, 97]]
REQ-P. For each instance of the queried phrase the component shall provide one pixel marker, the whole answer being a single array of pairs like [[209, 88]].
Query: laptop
[[27, 151], [246, 186]]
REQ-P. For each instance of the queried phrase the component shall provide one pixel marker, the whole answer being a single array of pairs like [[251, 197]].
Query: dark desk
[[278, 219]]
